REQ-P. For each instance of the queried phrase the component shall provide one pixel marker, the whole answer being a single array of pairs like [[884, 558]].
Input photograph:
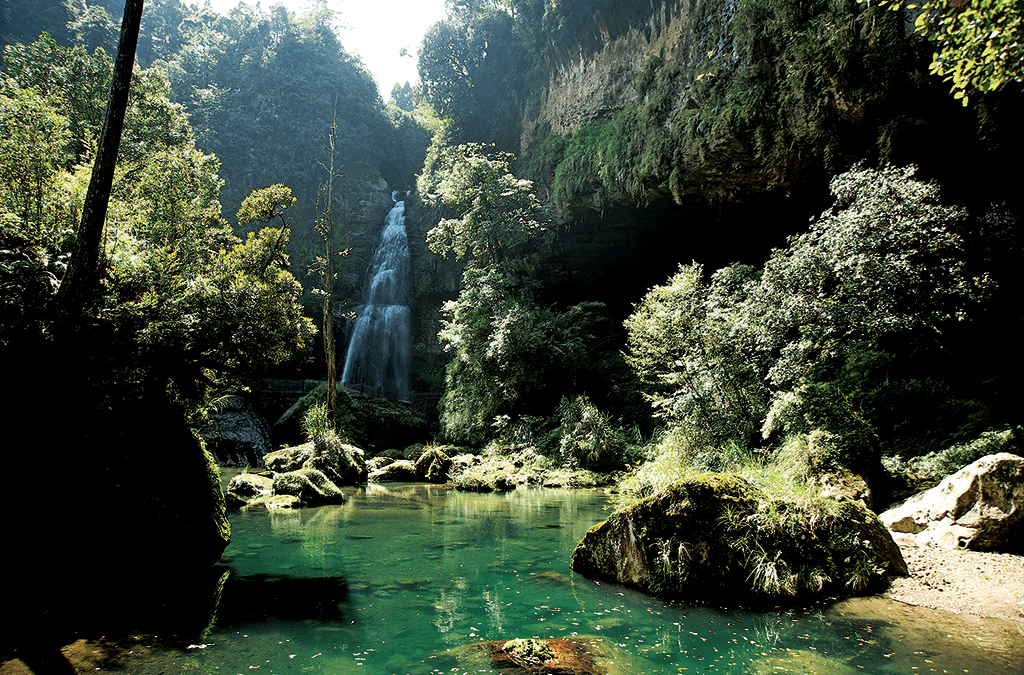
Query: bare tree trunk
[[79, 283], [330, 349]]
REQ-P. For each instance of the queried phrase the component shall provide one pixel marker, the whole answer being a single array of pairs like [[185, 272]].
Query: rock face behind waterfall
[[718, 539], [980, 507], [377, 362]]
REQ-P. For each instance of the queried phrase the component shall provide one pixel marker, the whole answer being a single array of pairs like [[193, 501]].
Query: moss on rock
[[718, 539], [310, 485]]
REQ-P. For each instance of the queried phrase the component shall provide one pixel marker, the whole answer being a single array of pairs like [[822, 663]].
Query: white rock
[[980, 507]]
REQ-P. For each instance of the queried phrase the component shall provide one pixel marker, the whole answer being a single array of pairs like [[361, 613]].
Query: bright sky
[[376, 30]]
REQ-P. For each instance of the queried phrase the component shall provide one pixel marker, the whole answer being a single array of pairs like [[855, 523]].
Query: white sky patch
[[376, 30]]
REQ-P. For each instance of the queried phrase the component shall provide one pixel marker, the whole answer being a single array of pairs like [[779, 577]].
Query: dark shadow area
[[264, 596], [171, 610]]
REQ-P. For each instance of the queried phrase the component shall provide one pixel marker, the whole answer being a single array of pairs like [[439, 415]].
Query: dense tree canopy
[[511, 357], [845, 332], [979, 44], [184, 300]]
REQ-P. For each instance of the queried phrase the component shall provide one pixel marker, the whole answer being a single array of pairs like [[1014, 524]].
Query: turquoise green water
[[391, 581]]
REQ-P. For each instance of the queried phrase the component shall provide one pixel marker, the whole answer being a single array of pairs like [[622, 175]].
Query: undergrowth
[[681, 454]]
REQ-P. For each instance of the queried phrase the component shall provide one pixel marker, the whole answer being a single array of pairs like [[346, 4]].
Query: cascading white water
[[377, 362]]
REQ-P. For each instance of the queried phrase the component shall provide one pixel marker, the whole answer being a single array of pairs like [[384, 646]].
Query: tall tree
[[80, 280], [325, 226]]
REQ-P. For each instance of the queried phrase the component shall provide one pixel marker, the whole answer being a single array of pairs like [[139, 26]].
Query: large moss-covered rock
[[718, 539], [980, 507], [344, 464], [246, 488]]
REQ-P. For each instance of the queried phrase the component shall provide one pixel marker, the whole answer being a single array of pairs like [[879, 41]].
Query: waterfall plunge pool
[[392, 581]]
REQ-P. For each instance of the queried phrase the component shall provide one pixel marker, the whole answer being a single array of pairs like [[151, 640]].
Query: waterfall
[[377, 362]]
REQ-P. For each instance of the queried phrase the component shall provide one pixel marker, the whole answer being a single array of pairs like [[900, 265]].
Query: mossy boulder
[[246, 487], [433, 466], [399, 471], [343, 463], [375, 464], [250, 485], [288, 459], [310, 485], [478, 479], [718, 539]]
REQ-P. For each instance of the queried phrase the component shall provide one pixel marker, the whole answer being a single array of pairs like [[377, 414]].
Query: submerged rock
[[798, 662], [568, 656], [718, 539], [980, 507]]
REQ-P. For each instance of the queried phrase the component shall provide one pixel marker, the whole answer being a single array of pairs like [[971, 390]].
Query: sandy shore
[[965, 582]]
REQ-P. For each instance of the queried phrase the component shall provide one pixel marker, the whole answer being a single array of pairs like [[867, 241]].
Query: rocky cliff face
[[597, 73], [662, 132], [665, 132]]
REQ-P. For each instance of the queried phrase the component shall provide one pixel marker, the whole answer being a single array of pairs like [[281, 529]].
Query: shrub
[[589, 440], [931, 468], [682, 453]]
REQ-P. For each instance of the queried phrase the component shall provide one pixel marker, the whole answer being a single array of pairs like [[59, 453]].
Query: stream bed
[[396, 580]]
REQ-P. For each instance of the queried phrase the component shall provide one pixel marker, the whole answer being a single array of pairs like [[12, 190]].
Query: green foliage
[[510, 356], [185, 303], [690, 344], [512, 359], [829, 339], [316, 423], [682, 452], [265, 205], [779, 82], [33, 136], [589, 439], [979, 43], [929, 469], [499, 216], [472, 69]]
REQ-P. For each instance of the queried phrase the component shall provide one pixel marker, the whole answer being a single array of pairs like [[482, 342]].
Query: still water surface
[[396, 578]]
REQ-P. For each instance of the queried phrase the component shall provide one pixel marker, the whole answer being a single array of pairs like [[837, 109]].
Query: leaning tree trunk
[[79, 284]]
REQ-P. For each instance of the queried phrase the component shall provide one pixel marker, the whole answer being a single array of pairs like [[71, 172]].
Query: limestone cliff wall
[[596, 73]]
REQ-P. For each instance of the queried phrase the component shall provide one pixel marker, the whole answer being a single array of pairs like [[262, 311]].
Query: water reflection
[[399, 578]]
